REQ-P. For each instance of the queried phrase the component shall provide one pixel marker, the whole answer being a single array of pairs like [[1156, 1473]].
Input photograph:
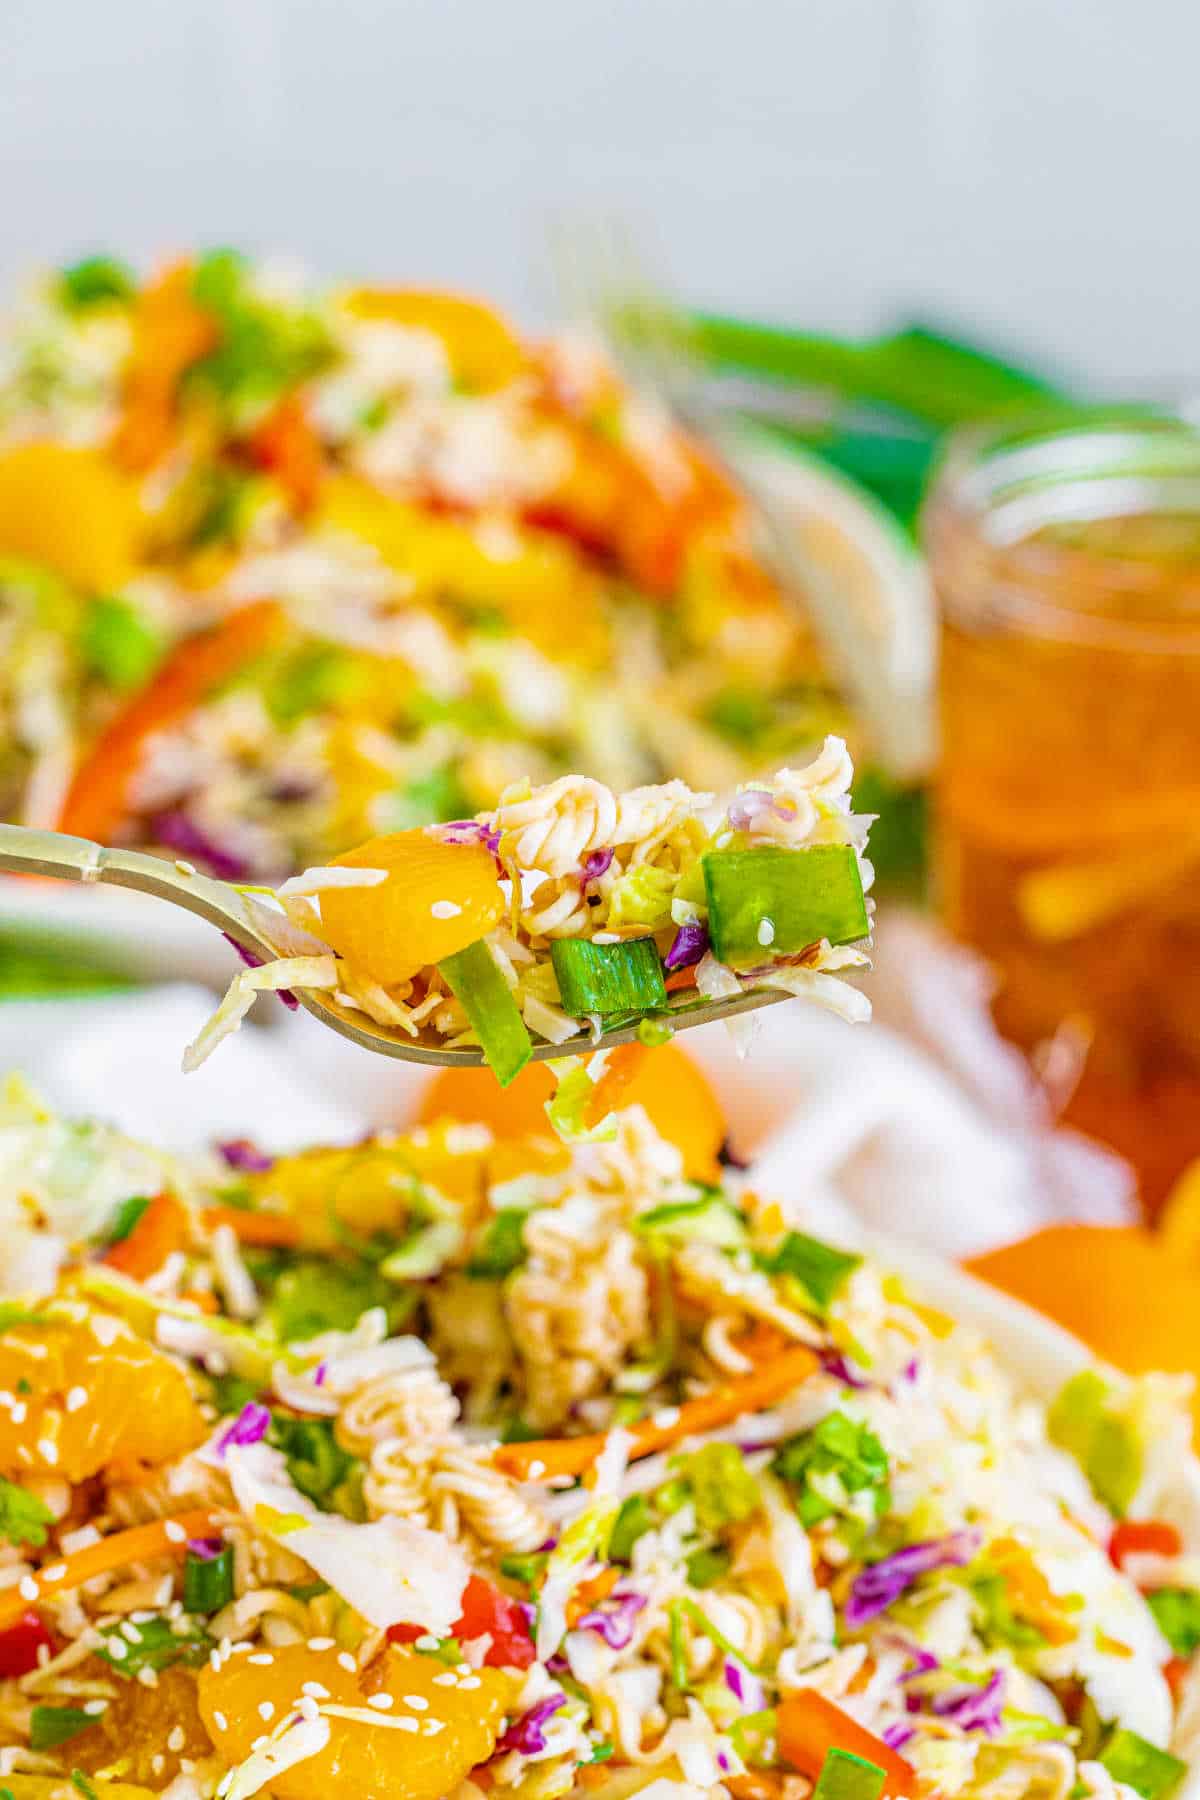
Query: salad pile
[[450, 1464], [283, 567], [569, 906]]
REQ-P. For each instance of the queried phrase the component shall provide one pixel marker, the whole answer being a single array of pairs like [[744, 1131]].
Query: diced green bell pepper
[[1149, 1771], [844, 1776]]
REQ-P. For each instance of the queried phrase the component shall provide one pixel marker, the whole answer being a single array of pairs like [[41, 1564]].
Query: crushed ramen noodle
[[569, 906], [414, 1469]]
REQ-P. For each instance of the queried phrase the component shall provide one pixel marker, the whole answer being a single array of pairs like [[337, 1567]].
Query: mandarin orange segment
[[418, 1747], [484, 351], [79, 1397], [1179, 1225], [437, 899], [71, 511], [138, 1731], [1119, 1290], [670, 1085]]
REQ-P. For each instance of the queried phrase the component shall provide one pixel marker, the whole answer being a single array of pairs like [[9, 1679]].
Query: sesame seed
[[347, 1662], [55, 1572], [316, 1690], [445, 909], [76, 1397], [766, 932], [418, 1702], [266, 1710], [176, 1738], [470, 1681], [93, 1708], [536, 1469], [47, 1449], [220, 1721], [263, 1659], [307, 1707], [174, 1532], [425, 1642], [28, 1588], [214, 1660], [665, 1417], [106, 1328], [446, 1680], [148, 1677], [130, 1632], [383, 1702], [320, 1643], [20, 1412], [407, 1725], [117, 1650], [158, 1763], [185, 868], [433, 1726]]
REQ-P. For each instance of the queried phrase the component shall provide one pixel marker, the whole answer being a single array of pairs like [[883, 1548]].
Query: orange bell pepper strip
[[810, 1726], [161, 1230], [261, 1230], [622, 1069], [483, 350], [96, 801], [543, 1459], [286, 443], [164, 1537], [171, 331]]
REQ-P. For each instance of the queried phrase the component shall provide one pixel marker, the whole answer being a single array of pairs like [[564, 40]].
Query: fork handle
[[25, 850]]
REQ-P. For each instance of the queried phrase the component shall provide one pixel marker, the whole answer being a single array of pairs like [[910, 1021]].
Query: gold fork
[[28, 852]]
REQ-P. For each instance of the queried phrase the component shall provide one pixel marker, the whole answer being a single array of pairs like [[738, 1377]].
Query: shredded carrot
[[262, 1230], [756, 1784], [1029, 1593], [1175, 1674], [162, 1229], [589, 1593], [681, 979], [170, 332], [623, 1067], [201, 1299], [164, 1537], [96, 802], [573, 1456], [761, 1342], [286, 443], [809, 1726]]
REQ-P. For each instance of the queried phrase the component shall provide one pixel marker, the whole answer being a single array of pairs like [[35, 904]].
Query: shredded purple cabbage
[[746, 1688], [319, 1374], [256, 962], [912, 1369], [205, 1549], [691, 941], [241, 1154], [881, 1584], [250, 1427], [525, 1734], [595, 864], [839, 1366], [974, 1708], [470, 831], [177, 830], [614, 1620], [897, 1735]]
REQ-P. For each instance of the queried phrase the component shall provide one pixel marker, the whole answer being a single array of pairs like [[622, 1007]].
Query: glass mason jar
[[1067, 564]]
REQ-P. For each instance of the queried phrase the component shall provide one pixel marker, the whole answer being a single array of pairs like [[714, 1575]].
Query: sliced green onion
[[704, 1567], [208, 1581], [709, 1220], [1177, 1613], [635, 1518], [155, 1646], [844, 1776], [95, 278], [608, 978], [78, 1780], [820, 1269], [50, 1726], [501, 1249], [125, 1218], [117, 644], [653, 1033], [775, 902], [473, 977], [1149, 1771], [425, 1253]]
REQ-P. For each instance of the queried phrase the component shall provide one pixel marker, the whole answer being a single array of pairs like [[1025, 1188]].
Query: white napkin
[[923, 1124]]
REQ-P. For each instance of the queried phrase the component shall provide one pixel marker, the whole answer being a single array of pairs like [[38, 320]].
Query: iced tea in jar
[[1067, 564]]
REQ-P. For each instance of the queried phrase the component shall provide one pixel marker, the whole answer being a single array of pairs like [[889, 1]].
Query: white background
[[1028, 167]]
